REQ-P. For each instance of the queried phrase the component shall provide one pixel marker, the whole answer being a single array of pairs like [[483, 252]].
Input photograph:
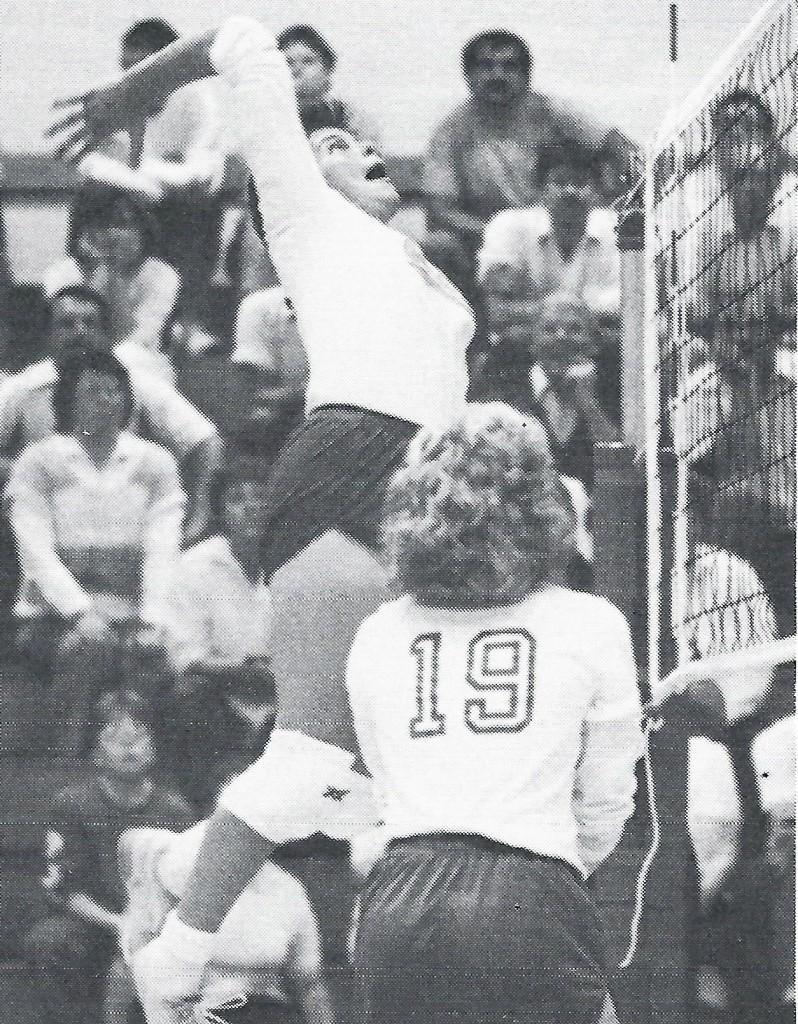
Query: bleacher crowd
[[134, 498]]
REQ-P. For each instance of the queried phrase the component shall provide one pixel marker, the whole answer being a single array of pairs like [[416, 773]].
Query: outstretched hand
[[91, 117]]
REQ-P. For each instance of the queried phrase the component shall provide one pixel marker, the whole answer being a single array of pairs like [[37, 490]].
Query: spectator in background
[[75, 952], [268, 345], [312, 62], [111, 243], [484, 156], [741, 792], [567, 243], [267, 953], [552, 375], [97, 516], [734, 419], [219, 638], [175, 158], [79, 320]]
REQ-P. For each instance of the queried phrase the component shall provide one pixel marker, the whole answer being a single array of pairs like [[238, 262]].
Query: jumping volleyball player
[[499, 716], [386, 336]]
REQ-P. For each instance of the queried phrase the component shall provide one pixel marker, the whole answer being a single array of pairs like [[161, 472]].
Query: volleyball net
[[721, 227]]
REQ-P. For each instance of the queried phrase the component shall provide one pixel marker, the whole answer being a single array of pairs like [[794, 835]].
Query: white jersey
[[521, 724], [383, 328]]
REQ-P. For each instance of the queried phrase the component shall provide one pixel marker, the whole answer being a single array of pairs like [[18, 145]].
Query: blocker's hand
[[167, 979]]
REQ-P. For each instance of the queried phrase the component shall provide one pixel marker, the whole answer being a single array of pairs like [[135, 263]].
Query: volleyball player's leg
[[319, 599]]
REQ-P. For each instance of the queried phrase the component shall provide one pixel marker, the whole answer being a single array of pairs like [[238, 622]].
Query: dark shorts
[[457, 928], [332, 474]]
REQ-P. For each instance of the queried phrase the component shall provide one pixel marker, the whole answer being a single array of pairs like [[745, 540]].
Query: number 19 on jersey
[[500, 670]]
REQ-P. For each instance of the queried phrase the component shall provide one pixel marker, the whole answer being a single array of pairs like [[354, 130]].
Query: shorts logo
[[336, 794]]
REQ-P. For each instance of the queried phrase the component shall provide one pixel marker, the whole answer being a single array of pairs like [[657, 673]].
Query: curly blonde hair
[[477, 515]]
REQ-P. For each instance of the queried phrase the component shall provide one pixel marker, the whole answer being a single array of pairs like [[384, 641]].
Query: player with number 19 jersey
[[511, 723]]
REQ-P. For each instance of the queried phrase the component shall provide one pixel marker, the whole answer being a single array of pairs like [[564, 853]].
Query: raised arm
[[95, 115], [263, 112]]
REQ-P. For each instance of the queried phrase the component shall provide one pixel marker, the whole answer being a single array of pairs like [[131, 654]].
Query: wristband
[[187, 943]]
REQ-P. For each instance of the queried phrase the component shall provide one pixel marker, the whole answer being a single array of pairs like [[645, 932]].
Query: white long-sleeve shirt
[[383, 329], [88, 536], [521, 724]]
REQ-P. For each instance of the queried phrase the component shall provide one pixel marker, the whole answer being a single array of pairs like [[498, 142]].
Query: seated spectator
[[567, 243], [484, 157], [75, 952], [110, 246], [218, 636], [266, 961], [268, 343], [78, 320], [97, 517], [554, 377], [734, 414], [312, 62], [178, 161], [741, 771]]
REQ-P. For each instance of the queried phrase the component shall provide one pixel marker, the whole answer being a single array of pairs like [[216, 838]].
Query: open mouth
[[376, 172]]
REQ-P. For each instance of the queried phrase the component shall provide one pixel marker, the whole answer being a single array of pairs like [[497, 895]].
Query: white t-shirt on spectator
[[160, 411], [213, 611], [525, 239], [384, 330], [117, 527]]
